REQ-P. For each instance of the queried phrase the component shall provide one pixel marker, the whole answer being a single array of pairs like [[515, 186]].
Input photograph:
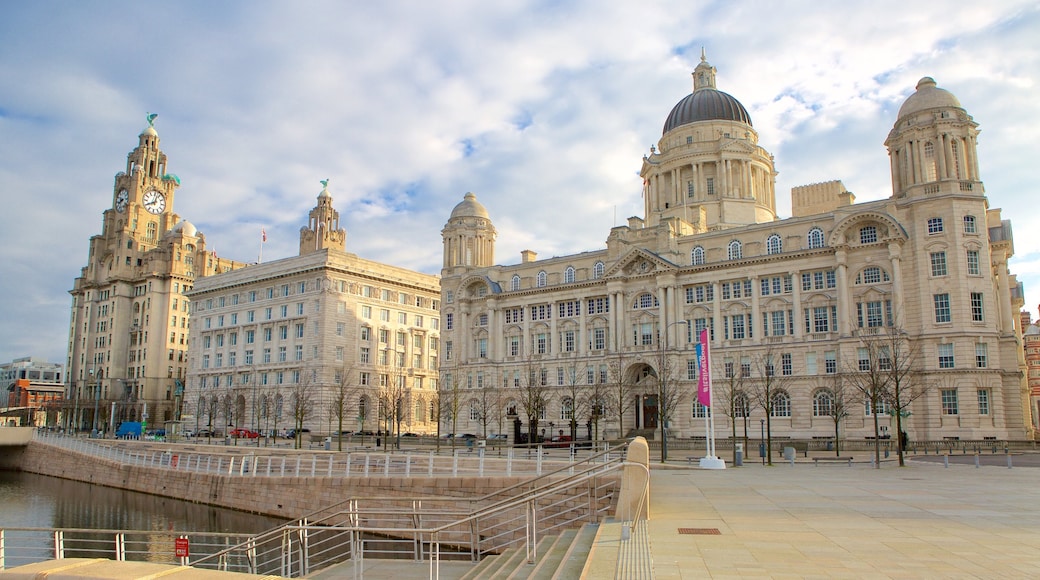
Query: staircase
[[558, 557]]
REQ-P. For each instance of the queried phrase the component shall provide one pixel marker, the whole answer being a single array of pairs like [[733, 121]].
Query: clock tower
[[128, 334]]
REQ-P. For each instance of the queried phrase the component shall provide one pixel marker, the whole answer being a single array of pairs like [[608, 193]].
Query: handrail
[[507, 489], [634, 542], [534, 489]]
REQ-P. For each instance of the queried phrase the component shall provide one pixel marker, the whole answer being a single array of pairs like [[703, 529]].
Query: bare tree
[[449, 401], [597, 401], [346, 393], [393, 394], [621, 390], [575, 389], [488, 403], [835, 400], [212, 408], [227, 408], [670, 394], [731, 399], [533, 395], [767, 388], [870, 375], [301, 405], [904, 382]]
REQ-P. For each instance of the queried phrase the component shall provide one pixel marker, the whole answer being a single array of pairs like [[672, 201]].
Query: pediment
[[639, 262]]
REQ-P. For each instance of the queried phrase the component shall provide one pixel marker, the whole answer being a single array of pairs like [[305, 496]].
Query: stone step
[[549, 561], [578, 554]]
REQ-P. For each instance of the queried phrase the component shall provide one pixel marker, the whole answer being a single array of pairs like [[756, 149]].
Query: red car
[[247, 433]]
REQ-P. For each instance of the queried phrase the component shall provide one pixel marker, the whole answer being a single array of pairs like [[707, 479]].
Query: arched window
[[515, 284], [781, 405], [741, 406], [735, 252], [700, 411], [815, 238], [697, 256], [598, 270], [646, 300], [969, 224], [566, 409], [419, 408], [823, 404], [568, 275], [929, 161], [542, 277], [774, 245]]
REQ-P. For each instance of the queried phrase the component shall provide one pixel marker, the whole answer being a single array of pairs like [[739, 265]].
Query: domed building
[[867, 319]]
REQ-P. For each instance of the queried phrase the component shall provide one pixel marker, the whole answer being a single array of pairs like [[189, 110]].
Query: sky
[[543, 109]]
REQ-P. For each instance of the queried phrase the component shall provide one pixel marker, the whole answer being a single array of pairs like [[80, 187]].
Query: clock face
[[154, 201], [121, 200]]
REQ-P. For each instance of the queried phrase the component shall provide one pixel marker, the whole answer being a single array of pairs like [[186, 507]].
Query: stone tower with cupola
[[322, 230], [468, 237], [128, 332], [707, 171]]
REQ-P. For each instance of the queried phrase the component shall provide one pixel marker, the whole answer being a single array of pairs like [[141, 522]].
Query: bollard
[[946, 460], [1009, 461], [976, 461]]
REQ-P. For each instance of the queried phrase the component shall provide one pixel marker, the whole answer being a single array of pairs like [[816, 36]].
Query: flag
[[263, 235], [703, 370]]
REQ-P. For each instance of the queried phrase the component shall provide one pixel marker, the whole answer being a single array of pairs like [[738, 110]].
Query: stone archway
[[645, 411]]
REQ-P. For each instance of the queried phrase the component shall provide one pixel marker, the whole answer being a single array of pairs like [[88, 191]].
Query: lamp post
[[762, 440], [97, 398], [663, 395]]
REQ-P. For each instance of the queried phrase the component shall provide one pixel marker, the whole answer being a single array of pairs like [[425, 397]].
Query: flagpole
[[710, 461], [263, 238]]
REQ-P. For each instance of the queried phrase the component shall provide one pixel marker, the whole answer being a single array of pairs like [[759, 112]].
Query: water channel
[[37, 501]]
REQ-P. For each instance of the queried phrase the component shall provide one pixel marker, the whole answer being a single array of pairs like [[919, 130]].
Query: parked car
[[498, 437], [291, 433], [243, 432], [205, 432], [560, 441]]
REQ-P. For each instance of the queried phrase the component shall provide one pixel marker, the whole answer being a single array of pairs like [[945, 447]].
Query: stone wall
[[287, 497]]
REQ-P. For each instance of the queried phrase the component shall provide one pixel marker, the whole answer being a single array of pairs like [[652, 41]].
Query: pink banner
[[703, 370]]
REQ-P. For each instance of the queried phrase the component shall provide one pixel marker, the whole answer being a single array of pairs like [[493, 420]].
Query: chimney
[[527, 256]]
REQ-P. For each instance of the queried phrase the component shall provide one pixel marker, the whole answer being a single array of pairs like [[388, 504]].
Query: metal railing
[[432, 529], [395, 464], [26, 545], [634, 557]]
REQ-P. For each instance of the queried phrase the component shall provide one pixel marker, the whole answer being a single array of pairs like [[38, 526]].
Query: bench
[[817, 460]]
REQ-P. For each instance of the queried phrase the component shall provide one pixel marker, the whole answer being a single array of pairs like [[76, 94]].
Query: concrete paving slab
[[802, 521]]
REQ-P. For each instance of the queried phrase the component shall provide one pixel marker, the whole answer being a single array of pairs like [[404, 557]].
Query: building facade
[[34, 389], [324, 340], [129, 322], [1031, 349], [799, 310]]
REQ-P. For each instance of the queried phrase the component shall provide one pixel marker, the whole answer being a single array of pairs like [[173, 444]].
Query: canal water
[[39, 501]]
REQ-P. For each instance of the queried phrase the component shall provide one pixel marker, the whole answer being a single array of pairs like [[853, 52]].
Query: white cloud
[[544, 110]]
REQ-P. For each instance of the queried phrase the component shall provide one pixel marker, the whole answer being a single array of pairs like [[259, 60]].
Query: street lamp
[[97, 398]]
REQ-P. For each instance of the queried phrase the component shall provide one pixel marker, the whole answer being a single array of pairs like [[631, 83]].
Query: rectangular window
[[977, 314], [973, 263], [983, 395], [514, 346], [599, 338], [935, 225], [981, 355], [366, 312], [541, 342], [711, 185], [786, 368], [942, 307], [830, 362], [938, 263], [946, 356], [299, 352], [449, 321], [569, 340], [384, 315], [738, 326], [949, 401]]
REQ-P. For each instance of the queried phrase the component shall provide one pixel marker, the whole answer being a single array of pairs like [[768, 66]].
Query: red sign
[[180, 547]]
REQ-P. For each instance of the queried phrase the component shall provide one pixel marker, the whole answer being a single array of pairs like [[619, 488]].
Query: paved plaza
[[924, 520]]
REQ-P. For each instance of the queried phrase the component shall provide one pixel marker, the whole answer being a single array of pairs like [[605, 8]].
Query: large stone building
[[800, 310], [1031, 348], [129, 322], [324, 339]]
